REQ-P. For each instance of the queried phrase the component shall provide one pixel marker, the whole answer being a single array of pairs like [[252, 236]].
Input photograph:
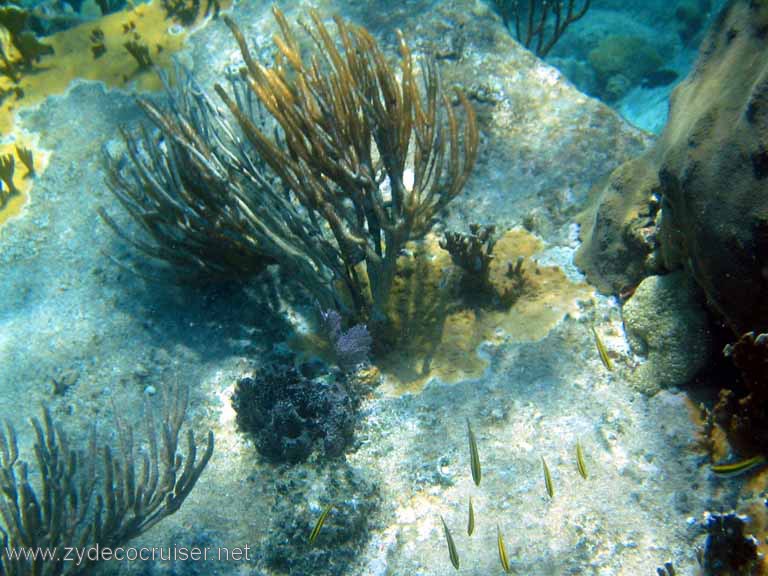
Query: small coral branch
[[27, 158], [140, 52], [539, 24], [7, 168], [19, 47], [516, 282], [473, 253]]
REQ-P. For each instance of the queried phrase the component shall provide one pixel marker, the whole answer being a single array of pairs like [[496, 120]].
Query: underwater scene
[[405, 288]]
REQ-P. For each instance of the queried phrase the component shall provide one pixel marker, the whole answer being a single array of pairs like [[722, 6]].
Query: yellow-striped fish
[[452, 552], [474, 456], [502, 550], [580, 461], [547, 478], [732, 469], [471, 521], [606, 360], [319, 524]]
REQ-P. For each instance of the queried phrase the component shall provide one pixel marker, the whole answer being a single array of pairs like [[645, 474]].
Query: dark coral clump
[[472, 253], [743, 411], [355, 499], [728, 550], [292, 411]]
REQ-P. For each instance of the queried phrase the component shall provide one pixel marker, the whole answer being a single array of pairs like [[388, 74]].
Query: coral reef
[[291, 411], [666, 323], [373, 155], [360, 179], [696, 200], [26, 83], [19, 47], [72, 505], [435, 334]]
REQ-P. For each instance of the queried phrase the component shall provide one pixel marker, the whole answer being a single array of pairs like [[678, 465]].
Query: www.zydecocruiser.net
[[78, 555]]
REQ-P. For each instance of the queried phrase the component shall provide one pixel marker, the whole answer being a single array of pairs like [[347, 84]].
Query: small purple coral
[[350, 348]]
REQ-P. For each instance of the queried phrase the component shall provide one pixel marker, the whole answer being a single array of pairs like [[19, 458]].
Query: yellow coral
[[21, 179], [430, 338], [74, 57]]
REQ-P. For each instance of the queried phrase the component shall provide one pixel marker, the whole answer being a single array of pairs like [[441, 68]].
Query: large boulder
[[708, 174]]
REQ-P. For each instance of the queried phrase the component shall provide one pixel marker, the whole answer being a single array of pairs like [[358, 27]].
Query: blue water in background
[[671, 31]]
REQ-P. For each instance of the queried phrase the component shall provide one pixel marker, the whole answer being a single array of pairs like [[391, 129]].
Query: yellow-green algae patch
[[21, 178], [73, 58], [432, 336]]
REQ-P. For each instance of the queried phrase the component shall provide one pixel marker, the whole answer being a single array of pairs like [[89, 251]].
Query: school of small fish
[[728, 469], [474, 466]]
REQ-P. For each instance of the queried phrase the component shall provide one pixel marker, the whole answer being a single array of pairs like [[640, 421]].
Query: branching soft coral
[[370, 155]]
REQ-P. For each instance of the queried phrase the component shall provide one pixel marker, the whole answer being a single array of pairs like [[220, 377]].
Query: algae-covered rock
[[666, 323], [714, 170], [618, 232], [709, 169]]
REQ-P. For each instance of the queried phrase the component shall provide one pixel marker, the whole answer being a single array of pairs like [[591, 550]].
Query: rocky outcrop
[[699, 199]]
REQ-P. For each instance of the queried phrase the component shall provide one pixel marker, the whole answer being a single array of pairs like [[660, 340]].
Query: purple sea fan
[[350, 348], [353, 347]]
